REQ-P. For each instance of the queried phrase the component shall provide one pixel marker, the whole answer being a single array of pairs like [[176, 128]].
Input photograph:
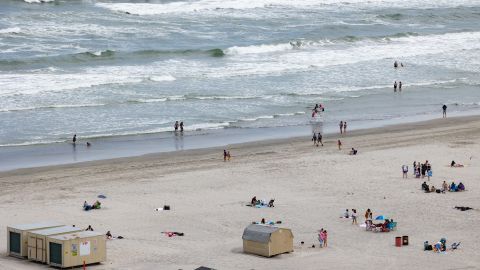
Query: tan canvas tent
[[267, 240], [37, 247], [17, 241], [70, 250]]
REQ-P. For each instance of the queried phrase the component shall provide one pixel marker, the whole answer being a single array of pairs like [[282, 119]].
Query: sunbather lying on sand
[[456, 165]]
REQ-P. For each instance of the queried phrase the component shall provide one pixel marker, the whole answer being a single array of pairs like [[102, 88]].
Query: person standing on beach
[[444, 107], [181, 126], [341, 127], [320, 238], [224, 155], [314, 139], [405, 171], [395, 86], [74, 140], [354, 216], [319, 139], [325, 236], [400, 86], [345, 127], [176, 126], [339, 144]]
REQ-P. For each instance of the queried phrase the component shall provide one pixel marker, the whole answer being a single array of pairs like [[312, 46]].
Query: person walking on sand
[[325, 236], [176, 126], [339, 144], [400, 86], [320, 238], [314, 139], [395, 86], [319, 139], [74, 140], [341, 127], [345, 127], [444, 107], [405, 171]]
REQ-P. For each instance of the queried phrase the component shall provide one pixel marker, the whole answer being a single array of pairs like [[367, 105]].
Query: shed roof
[[56, 230], [39, 225], [258, 233], [71, 236]]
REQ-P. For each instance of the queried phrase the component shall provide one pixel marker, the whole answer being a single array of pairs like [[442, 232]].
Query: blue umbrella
[[382, 217]]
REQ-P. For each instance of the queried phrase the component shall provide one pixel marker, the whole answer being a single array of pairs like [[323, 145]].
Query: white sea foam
[[38, 1], [11, 30], [162, 78], [215, 5]]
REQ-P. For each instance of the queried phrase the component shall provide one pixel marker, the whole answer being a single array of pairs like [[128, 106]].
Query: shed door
[[39, 249], [55, 253], [15, 242]]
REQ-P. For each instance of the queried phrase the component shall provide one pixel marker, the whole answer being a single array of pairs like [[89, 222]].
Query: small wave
[[12, 30], [162, 78], [190, 97], [59, 106], [106, 53], [38, 1], [392, 16]]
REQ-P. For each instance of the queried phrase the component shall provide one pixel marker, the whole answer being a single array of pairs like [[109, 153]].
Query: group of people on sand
[[422, 169], [95, 205], [226, 155], [317, 139], [254, 202], [445, 187], [399, 84], [440, 246], [322, 238], [178, 125], [343, 127]]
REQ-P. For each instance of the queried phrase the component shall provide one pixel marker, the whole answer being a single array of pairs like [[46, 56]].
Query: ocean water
[[103, 69]]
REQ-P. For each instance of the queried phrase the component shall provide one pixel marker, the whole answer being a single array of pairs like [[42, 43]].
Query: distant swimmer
[[395, 64], [401, 64], [74, 140], [399, 86], [395, 86], [444, 107], [176, 126], [89, 144], [181, 126]]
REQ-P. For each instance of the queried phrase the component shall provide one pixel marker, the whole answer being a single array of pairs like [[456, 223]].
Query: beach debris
[[463, 208], [164, 208]]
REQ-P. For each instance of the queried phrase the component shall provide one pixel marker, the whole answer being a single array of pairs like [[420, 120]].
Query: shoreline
[[238, 148]]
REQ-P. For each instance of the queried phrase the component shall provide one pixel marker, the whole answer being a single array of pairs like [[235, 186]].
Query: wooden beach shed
[[267, 241], [17, 240], [37, 246], [70, 250]]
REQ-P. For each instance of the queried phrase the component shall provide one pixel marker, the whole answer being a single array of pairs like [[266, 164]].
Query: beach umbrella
[[382, 217]]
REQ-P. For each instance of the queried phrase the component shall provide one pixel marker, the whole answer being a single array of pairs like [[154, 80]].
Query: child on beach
[[339, 144], [368, 214], [405, 171]]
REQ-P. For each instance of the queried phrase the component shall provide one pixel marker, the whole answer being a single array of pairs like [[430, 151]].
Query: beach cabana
[[17, 241], [267, 241], [37, 247], [75, 249]]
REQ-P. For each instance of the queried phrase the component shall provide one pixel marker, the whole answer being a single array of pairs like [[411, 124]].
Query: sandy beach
[[311, 186]]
